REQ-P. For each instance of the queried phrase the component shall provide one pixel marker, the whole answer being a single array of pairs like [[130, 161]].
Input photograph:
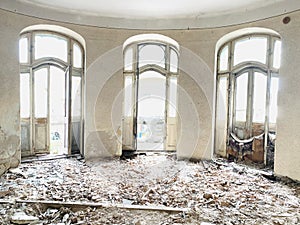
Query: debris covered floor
[[215, 192]]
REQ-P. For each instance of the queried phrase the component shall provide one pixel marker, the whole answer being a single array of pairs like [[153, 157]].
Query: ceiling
[[152, 14], [151, 8]]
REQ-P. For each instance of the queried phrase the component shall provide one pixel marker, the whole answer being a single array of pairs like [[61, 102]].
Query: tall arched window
[[246, 104], [51, 72], [150, 96]]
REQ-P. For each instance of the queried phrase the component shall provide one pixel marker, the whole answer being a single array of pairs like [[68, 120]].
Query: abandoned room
[[150, 112]]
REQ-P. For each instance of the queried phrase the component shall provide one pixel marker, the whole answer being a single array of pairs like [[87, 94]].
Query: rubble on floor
[[213, 192]]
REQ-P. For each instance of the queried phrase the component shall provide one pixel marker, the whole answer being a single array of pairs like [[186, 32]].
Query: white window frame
[[233, 71], [129, 139], [34, 64]]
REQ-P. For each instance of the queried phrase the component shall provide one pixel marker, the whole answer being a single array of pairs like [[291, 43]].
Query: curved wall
[[103, 80]]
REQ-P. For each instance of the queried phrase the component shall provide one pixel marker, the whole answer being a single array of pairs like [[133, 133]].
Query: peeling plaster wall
[[9, 95], [196, 84]]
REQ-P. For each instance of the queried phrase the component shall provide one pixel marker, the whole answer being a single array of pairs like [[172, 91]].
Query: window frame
[[134, 73], [35, 64], [233, 70]]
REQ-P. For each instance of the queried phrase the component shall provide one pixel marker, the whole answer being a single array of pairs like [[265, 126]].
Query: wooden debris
[[153, 187], [57, 204]]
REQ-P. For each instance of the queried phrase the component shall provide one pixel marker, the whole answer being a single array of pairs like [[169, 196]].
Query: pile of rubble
[[38, 215], [217, 191]]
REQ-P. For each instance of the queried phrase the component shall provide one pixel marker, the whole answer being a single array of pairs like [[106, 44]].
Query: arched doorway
[[246, 97], [51, 72], [150, 96]]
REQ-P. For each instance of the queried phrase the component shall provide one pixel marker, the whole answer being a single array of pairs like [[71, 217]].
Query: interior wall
[[9, 96], [103, 105]]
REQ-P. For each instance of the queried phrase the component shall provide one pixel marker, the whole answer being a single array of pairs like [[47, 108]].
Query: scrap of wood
[[48, 158], [97, 205], [6, 202]]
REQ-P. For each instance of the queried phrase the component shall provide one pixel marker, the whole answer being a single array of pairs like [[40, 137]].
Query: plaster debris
[[216, 192], [22, 218]]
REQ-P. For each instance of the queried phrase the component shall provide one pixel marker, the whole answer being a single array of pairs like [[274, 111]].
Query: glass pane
[[57, 95], [223, 64], [152, 92], [221, 114], [152, 54], [222, 99], [259, 97], [277, 54], [23, 50], [128, 96], [273, 99], [24, 95], [250, 49], [77, 56], [241, 97], [76, 97], [40, 93], [173, 61], [128, 60], [48, 45], [173, 97]]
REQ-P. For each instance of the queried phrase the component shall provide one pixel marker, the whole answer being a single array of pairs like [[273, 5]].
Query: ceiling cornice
[[276, 9]]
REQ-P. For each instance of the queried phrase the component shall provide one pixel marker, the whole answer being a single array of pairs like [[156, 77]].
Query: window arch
[[51, 87], [150, 61], [247, 87]]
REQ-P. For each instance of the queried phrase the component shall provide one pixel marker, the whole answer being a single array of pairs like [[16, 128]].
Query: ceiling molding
[[275, 9]]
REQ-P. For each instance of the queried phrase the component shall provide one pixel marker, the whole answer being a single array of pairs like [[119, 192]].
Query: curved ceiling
[[152, 14], [151, 8]]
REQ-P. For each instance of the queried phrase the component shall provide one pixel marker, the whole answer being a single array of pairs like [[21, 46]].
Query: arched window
[[150, 93], [246, 104], [51, 72]]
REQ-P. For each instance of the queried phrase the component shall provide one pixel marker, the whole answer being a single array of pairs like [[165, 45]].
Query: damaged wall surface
[[9, 96], [196, 85]]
